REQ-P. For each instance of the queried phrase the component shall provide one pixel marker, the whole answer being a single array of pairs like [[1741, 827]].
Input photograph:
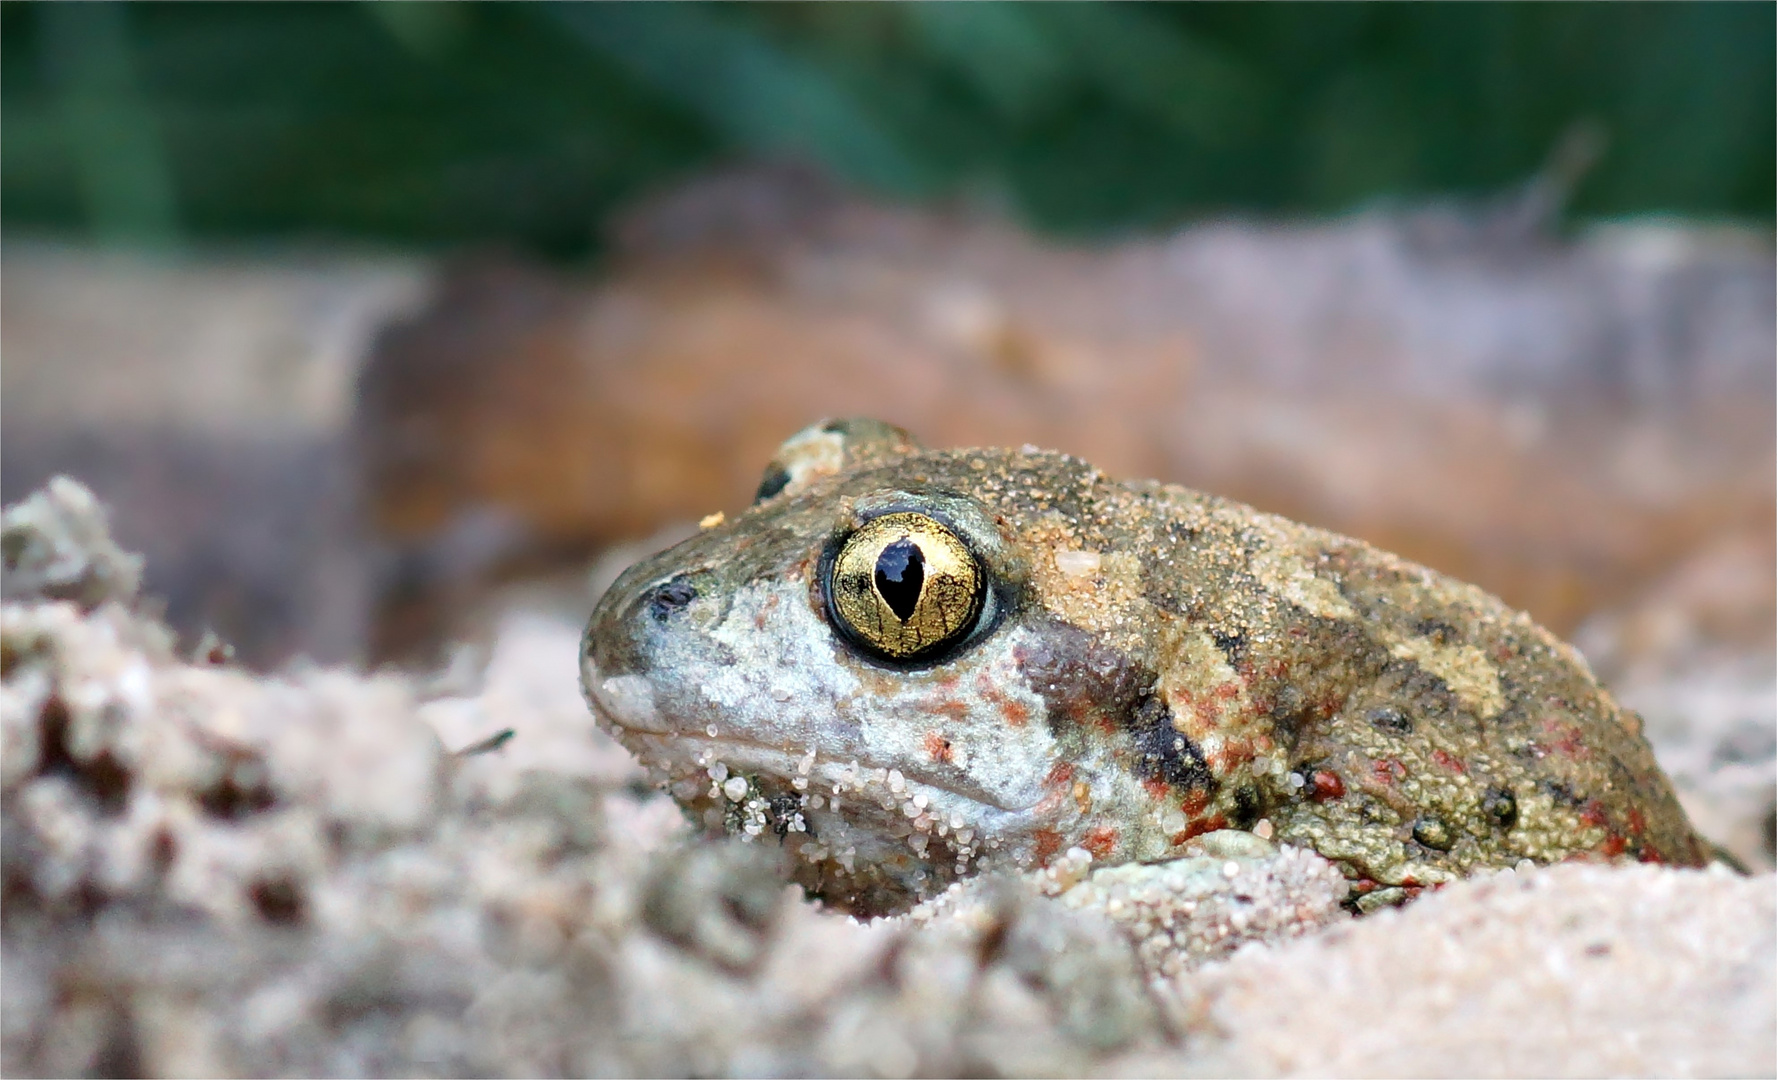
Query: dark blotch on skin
[[1501, 806], [776, 479], [1163, 752], [1390, 719], [1247, 806], [1430, 696], [1081, 679], [670, 597], [900, 574], [1233, 645]]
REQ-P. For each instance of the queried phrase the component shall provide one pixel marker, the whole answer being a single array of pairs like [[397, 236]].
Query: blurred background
[[529, 124], [379, 323]]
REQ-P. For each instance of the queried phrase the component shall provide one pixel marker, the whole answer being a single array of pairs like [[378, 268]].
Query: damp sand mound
[[211, 871]]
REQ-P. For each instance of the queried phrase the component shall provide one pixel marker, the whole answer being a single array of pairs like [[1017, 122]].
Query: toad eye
[[905, 586]]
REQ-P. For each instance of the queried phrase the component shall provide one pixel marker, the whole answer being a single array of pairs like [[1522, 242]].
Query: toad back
[[908, 666]]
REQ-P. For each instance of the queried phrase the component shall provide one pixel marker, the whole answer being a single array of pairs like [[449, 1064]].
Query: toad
[[908, 665]]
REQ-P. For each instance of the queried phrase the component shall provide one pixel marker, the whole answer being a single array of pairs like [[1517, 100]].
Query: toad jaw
[[627, 705]]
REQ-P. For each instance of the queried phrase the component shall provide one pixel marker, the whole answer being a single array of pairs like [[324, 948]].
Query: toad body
[[909, 665]]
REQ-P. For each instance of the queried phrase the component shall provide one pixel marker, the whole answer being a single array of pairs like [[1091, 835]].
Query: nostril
[[670, 597]]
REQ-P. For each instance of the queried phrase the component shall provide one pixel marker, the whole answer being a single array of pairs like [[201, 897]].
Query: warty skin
[[1149, 663]]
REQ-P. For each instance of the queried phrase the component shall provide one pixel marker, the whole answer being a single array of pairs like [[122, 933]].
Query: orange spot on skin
[[1101, 842], [1210, 707], [1388, 771], [1198, 828], [1203, 710], [1637, 821], [1061, 775], [1048, 843], [953, 709], [1156, 787], [1194, 801], [1593, 813], [1232, 754], [1448, 762], [1326, 785], [1016, 713], [1082, 796], [937, 747], [1613, 846]]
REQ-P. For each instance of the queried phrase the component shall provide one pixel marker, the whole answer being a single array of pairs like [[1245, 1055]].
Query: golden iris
[[905, 586]]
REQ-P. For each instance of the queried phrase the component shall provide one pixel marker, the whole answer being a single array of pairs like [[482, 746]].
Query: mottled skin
[[1153, 663]]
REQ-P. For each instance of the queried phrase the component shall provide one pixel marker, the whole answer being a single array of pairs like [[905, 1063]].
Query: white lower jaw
[[876, 811], [879, 829], [699, 761], [701, 751]]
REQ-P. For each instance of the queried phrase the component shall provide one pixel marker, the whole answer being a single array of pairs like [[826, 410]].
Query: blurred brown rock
[[207, 399], [1559, 420]]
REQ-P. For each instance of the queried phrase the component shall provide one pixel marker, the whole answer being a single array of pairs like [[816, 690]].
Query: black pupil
[[900, 571]]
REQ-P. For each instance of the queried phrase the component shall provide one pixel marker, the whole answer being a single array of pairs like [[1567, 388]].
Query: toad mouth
[[629, 712], [858, 776]]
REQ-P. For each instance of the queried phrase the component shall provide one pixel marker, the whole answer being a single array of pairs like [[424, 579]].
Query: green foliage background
[[527, 123]]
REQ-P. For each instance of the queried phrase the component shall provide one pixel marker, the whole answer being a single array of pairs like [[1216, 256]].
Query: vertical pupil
[[900, 571]]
